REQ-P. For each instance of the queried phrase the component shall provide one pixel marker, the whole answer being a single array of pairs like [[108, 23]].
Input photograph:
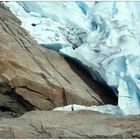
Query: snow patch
[[110, 109]]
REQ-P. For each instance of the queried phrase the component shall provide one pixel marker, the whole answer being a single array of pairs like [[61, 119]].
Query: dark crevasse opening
[[4, 109], [7, 112], [20, 100], [12, 105], [106, 93]]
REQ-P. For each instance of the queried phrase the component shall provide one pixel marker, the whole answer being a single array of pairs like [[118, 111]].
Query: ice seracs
[[112, 52], [104, 37]]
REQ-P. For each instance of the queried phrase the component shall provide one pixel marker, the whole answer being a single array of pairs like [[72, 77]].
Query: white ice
[[110, 109]]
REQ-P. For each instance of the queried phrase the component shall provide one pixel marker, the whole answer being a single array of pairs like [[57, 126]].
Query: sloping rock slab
[[81, 124], [36, 78]]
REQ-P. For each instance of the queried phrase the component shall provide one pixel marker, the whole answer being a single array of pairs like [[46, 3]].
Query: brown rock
[[36, 78], [80, 124]]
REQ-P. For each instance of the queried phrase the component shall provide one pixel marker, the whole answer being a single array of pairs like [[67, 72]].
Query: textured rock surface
[[82, 124], [32, 77]]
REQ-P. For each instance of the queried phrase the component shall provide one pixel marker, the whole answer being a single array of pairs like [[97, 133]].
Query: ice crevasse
[[102, 36]]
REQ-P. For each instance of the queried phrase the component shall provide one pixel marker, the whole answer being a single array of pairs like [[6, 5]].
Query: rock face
[[32, 77], [82, 124]]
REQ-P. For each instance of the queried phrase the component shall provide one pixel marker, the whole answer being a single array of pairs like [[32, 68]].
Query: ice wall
[[112, 50]]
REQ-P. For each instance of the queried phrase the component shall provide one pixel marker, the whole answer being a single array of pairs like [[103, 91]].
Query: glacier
[[104, 37]]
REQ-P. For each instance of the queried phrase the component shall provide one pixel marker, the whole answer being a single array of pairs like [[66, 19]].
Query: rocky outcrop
[[34, 78], [81, 124]]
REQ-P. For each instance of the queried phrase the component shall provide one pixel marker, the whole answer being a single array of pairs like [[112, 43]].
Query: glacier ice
[[112, 50], [102, 36]]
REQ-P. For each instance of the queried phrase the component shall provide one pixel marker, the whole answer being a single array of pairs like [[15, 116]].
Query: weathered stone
[[80, 124]]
